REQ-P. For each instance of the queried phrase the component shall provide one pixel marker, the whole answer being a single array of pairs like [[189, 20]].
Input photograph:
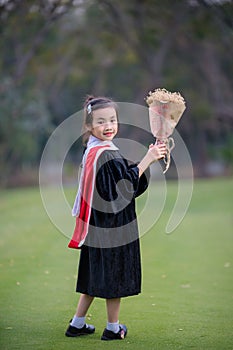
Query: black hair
[[91, 104]]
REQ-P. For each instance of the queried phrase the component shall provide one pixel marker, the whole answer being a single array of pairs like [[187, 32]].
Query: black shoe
[[75, 332], [109, 335]]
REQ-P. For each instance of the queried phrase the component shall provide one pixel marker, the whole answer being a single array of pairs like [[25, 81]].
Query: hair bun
[[89, 98]]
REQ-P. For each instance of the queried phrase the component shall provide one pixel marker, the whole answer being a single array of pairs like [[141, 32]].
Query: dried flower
[[165, 110], [163, 95]]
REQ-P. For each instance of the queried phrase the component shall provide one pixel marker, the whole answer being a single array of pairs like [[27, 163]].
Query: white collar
[[94, 141]]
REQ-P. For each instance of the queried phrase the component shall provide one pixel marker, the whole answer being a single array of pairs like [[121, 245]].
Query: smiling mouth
[[108, 134]]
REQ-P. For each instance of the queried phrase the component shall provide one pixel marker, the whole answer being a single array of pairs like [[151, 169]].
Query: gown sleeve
[[116, 178], [143, 180]]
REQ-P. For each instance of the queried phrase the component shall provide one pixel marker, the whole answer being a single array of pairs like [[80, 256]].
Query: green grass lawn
[[187, 297]]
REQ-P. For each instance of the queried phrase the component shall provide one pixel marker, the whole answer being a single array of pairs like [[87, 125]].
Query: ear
[[88, 127]]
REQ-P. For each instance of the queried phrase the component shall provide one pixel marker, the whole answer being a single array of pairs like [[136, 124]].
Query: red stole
[[88, 185]]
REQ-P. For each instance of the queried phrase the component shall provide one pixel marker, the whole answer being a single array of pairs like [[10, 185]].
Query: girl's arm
[[154, 153]]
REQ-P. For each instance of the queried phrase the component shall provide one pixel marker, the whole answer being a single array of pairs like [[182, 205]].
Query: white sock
[[78, 322], [114, 327]]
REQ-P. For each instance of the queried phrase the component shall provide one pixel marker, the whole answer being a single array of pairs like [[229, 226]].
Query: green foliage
[[227, 150], [55, 52]]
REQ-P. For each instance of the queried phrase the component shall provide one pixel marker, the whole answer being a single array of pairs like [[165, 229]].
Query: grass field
[[187, 298]]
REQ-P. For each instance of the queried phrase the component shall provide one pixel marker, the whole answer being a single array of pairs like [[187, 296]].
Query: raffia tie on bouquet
[[165, 110]]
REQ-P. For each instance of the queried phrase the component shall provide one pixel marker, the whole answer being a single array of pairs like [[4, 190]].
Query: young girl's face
[[104, 124]]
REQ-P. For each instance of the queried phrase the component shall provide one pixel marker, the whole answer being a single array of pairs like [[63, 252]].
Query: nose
[[108, 126]]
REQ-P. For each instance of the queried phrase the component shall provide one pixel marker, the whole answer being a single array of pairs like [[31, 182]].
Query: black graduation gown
[[109, 265]]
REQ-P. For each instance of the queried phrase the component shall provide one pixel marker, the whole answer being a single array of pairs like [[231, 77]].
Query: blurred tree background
[[54, 52]]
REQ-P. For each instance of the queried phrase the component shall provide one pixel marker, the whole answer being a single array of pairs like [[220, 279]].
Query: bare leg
[[113, 309], [83, 305], [77, 325]]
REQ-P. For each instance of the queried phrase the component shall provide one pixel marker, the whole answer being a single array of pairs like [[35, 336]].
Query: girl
[[106, 224]]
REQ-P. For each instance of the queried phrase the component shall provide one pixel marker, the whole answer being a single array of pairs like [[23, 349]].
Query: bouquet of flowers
[[165, 110]]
